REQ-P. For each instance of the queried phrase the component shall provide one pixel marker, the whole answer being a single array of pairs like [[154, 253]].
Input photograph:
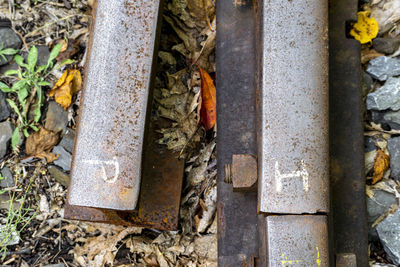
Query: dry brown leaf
[[69, 83], [40, 143], [380, 167], [369, 54]]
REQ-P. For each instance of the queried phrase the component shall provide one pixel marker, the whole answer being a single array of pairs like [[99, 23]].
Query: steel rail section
[[125, 56], [293, 159], [106, 166]]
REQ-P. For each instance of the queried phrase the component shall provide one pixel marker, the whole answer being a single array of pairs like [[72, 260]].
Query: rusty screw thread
[[228, 174]]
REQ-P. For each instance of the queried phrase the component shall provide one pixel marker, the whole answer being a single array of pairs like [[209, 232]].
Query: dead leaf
[[208, 110], [40, 143], [381, 165], [69, 84], [365, 29], [369, 54]]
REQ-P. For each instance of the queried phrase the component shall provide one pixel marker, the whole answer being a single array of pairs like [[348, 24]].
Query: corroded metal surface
[[244, 172], [297, 240], [346, 260], [349, 228], [236, 98], [160, 192], [293, 151], [108, 151]]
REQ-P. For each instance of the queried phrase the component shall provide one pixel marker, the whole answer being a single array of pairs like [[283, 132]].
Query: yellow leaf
[[380, 167], [69, 84], [365, 29]]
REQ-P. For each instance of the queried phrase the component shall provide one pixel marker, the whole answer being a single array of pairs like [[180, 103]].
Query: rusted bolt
[[242, 173]]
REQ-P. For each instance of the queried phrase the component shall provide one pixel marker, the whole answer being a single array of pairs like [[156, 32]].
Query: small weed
[[18, 217], [28, 82]]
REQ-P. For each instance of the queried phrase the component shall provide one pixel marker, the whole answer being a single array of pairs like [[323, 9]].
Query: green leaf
[[10, 72], [14, 107], [34, 127], [19, 85], [22, 95], [44, 83], [40, 68], [9, 51], [63, 63], [4, 87], [26, 132], [15, 138], [32, 58], [37, 113], [20, 61], [3, 57], [53, 54]]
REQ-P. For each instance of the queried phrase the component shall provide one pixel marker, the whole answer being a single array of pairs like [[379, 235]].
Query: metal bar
[[293, 158], [107, 157], [161, 170], [236, 95], [297, 240], [348, 221]]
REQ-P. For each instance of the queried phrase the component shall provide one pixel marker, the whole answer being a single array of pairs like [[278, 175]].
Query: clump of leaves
[[6, 52], [28, 87]]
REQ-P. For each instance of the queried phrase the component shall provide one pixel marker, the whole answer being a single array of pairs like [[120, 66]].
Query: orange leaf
[[69, 83], [208, 110], [380, 167]]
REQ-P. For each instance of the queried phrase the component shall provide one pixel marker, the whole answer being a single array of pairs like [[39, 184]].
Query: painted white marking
[[103, 164], [303, 173]]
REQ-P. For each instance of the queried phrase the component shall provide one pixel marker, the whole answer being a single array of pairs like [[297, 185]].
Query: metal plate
[[349, 216], [293, 111], [236, 98], [108, 151], [297, 240]]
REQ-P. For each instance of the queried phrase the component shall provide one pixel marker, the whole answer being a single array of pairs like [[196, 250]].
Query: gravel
[[381, 68]]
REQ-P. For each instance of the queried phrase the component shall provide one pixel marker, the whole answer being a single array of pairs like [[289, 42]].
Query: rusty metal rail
[[119, 174]]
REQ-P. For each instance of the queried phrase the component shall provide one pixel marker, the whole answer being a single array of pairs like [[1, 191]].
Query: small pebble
[[4, 107], [59, 175], [386, 45], [393, 145], [6, 130], [64, 160], [8, 180], [56, 118], [386, 97]]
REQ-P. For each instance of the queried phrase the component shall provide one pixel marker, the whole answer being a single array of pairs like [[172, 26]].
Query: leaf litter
[[188, 35]]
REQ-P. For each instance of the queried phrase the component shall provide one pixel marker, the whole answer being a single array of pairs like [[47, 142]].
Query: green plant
[[18, 217], [28, 82], [7, 52]]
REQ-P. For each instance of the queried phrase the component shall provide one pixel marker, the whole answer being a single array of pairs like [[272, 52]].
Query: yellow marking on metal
[[289, 262]]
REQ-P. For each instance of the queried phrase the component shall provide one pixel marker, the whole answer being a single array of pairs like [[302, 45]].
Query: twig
[[22, 38]]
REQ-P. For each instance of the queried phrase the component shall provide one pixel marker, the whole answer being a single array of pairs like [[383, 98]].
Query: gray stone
[[10, 40], [386, 97], [56, 118], [8, 180], [376, 207], [381, 68], [367, 83], [393, 145], [386, 45], [389, 235], [387, 119], [67, 142], [59, 175], [4, 107], [6, 131], [64, 160], [369, 144]]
